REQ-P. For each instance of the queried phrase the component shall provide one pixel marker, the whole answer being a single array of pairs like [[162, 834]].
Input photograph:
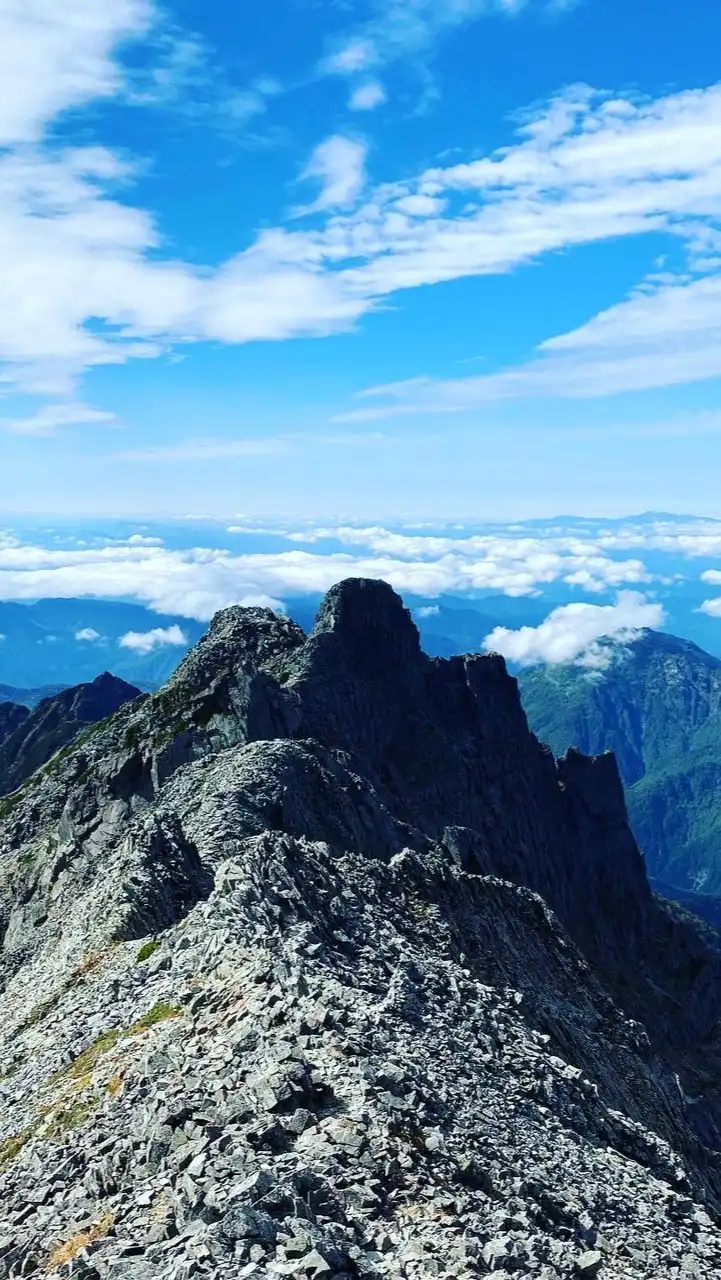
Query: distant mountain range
[[30, 737], [66, 642], [658, 707], [58, 643], [28, 697]]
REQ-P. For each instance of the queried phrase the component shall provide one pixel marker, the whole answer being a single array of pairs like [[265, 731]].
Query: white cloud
[[339, 164], [712, 607], [59, 55], [87, 279], [50, 417], [367, 96], [589, 167], [665, 337], [87, 635], [356, 55], [157, 638], [427, 611], [573, 633]]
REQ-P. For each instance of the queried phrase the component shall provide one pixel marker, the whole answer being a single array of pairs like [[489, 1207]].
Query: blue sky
[[411, 258]]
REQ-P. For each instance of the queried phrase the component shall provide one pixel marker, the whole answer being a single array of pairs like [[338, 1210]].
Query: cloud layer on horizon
[[196, 581], [574, 633]]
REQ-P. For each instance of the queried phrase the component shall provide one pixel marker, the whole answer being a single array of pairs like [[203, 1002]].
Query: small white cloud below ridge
[[87, 635], [148, 641], [574, 634]]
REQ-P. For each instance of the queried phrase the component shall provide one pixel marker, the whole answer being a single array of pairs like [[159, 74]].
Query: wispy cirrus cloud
[[50, 418], [660, 337], [208, 450], [410, 28], [88, 279], [211, 449]]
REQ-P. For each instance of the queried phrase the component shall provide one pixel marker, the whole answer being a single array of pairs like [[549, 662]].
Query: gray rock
[[589, 1263]]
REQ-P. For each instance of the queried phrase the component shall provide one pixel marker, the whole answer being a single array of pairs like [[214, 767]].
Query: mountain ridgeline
[[658, 708], [30, 737], [318, 963]]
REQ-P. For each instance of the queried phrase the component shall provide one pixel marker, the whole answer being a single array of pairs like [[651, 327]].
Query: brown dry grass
[[70, 1250]]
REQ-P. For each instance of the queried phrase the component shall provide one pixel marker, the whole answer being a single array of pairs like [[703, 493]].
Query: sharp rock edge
[[316, 963]]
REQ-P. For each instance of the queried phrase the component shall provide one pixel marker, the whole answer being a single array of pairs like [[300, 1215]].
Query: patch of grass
[[12, 1146], [147, 950], [81, 1069], [40, 1012], [9, 803], [50, 1124], [114, 1086], [68, 1118], [160, 1012], [85, 1062], [68, 1251]]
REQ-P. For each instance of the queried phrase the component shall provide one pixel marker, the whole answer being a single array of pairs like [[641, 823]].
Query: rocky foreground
[[317, 964]]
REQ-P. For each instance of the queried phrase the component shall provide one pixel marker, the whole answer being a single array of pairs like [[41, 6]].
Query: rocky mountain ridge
[[317, 963]]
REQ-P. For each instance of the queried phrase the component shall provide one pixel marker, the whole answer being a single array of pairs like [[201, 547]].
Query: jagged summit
[[238, 639], [369, 621], [410, 982]]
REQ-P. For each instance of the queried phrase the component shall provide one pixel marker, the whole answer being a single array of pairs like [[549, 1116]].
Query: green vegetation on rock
[[147, 950]]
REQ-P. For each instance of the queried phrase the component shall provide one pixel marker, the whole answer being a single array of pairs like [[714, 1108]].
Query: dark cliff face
[[12, 715], [447, 743], [352, 736], [33, 737]]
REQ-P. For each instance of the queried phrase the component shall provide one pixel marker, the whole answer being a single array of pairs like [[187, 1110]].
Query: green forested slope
[[658, 707]]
